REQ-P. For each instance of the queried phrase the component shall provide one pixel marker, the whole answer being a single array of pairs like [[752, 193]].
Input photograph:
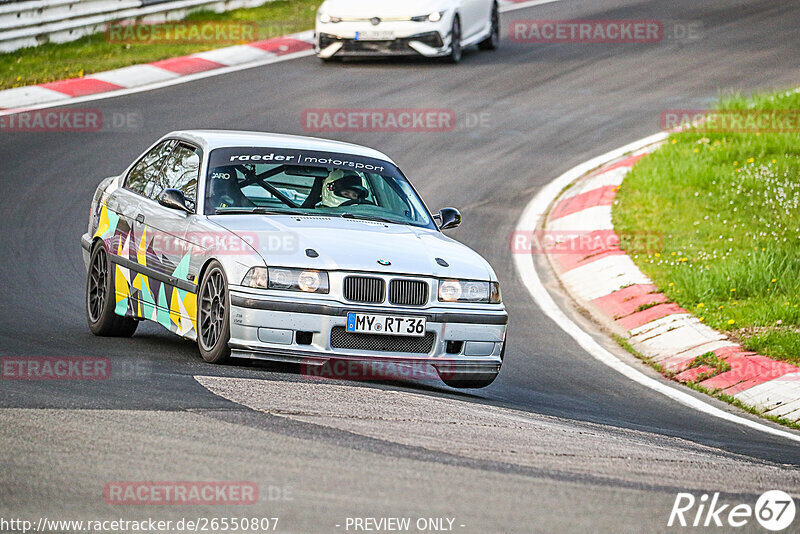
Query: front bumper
[[342, 39], [311, 333]]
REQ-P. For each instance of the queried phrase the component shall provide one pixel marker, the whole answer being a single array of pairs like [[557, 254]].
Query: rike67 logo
[[774, 510]]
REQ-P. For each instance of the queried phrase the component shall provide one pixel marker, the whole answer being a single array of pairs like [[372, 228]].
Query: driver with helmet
[[343, 188]]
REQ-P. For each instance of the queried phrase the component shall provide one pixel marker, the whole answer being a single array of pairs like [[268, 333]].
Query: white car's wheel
[[455, 37], [493, 41]]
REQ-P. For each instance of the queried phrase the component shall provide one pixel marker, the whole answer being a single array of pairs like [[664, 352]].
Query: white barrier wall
[[34, 22]]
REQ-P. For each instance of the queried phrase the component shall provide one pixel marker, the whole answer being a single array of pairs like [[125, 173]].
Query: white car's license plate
[[375, 36], [387, 325]]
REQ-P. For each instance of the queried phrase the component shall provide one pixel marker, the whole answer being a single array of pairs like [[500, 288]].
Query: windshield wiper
[[368, 218], [256, 211]]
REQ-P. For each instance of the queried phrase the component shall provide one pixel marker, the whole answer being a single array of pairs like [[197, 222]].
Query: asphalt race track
[[559, 443]]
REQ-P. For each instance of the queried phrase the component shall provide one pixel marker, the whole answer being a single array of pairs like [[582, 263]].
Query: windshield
[[275, 181]]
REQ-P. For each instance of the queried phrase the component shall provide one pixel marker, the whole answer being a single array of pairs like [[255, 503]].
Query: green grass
[[51, 62], [711, 360], [727, 207]]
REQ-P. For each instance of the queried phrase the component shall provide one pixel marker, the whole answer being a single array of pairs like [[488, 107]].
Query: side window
[[147, 169], [181, 172]]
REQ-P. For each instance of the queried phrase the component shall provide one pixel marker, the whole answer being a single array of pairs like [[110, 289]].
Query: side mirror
[[174, 199], [448, 218]]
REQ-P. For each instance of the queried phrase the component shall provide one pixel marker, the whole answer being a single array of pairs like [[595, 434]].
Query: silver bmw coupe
[[293, 249]]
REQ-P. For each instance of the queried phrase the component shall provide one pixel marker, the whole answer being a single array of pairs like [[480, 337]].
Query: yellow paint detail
[[175, 309], [141, 255], [121, 285], [190, 303], [104, 225]]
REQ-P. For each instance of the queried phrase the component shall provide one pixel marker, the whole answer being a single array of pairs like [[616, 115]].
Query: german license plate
[[387, 325], [375, 36]]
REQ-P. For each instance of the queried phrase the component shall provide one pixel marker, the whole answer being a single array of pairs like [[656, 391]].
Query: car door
[[475, 15], [163, 247], [121, 208]]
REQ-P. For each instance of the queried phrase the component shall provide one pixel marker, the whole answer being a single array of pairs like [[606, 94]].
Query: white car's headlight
[[468, 291], [305, 280], [436, 16], [325, 18]]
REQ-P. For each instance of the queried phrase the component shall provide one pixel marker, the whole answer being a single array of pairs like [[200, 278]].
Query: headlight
[[256, 277], [307, 281], [433, 17], [326, 19], [465, 291], [303, 280]]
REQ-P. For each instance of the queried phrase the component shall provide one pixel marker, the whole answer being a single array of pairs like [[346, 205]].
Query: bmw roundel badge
[[384, 262]]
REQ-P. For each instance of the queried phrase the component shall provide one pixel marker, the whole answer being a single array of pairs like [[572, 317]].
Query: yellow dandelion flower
[[701, 305], [774, 280], [731, 321], [751, 160]]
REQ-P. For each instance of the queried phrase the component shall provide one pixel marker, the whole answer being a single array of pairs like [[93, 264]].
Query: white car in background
[[430, 28]]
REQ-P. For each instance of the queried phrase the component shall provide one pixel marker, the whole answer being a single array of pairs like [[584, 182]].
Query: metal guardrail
[[33, 22]]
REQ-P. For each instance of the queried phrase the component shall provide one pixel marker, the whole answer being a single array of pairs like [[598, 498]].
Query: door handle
[[140, 218]]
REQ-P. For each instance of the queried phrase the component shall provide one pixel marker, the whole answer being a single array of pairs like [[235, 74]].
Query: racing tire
[[100, 301], [493, 41], [213, 315], [456, 51]]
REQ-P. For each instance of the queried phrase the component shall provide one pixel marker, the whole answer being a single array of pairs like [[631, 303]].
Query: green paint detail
[[113, 221], [148, 302], [182, 270], [122, 307], [162, 314]]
